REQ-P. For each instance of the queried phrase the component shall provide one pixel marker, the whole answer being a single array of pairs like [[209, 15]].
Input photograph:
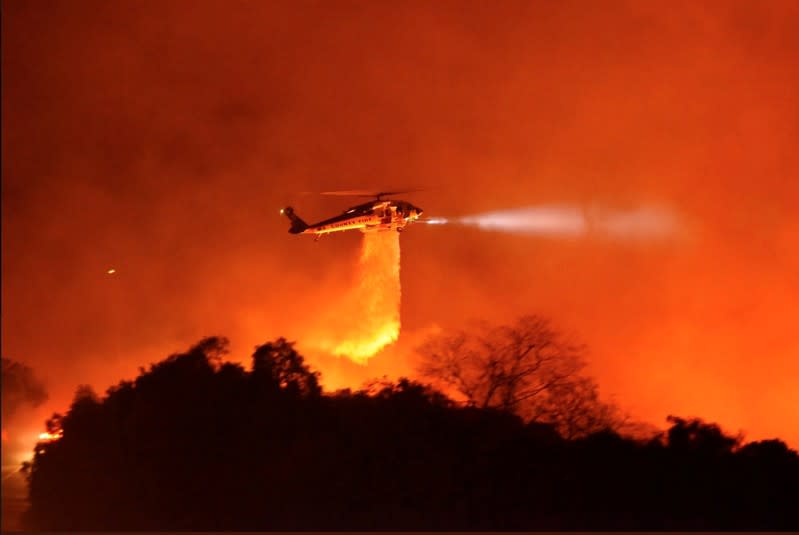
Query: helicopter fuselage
[[376, 216]]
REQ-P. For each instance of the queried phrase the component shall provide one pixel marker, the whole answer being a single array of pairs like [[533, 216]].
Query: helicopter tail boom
[[297, 224]]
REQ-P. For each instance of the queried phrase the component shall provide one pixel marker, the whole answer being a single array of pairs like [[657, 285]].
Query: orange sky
[[161, 140]]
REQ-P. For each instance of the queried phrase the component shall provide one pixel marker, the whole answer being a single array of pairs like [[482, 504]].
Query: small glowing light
[[111, 271], [281, 211]]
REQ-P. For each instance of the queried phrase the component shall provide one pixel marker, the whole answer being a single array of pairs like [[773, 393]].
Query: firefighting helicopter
[[374, 216]]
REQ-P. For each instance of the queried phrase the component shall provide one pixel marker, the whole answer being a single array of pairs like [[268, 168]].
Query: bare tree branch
[[526, 368]]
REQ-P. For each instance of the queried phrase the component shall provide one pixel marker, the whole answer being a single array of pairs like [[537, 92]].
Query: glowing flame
[[371, 320], [49, 437], [360, 350]]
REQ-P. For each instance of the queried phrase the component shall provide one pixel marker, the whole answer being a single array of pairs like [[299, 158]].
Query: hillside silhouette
[[197, 443]]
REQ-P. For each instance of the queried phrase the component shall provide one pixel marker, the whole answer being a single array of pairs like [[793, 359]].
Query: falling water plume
[[370, 319]]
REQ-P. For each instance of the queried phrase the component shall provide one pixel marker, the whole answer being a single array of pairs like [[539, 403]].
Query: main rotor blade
[[385, 193], [363, 193], [349, 193]]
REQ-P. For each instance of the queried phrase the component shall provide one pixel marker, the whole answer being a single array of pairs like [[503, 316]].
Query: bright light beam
[[546, 221], [572, 221]]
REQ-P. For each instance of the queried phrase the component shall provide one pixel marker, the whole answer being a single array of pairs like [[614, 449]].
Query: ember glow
[[369, 318], [50, 437]]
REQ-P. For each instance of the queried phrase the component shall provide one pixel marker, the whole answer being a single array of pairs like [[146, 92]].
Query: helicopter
[[377, 215]]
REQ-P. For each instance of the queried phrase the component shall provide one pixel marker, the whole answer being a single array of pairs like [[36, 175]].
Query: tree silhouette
[[526, 368], [282, 367], [197, 443], [696, 435]]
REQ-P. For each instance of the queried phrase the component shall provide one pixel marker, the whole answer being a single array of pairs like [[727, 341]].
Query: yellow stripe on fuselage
[[329, 229], [338, 227]]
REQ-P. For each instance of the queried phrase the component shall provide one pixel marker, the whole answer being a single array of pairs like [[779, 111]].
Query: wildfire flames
[[371, 321], [50, 437]]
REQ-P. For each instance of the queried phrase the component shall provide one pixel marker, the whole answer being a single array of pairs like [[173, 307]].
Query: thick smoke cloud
[[21, 388]]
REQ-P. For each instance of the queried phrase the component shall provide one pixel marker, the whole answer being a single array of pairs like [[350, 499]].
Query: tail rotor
[[297, 224]]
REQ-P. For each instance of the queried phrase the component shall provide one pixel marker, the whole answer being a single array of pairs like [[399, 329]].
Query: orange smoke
[[368, 319]]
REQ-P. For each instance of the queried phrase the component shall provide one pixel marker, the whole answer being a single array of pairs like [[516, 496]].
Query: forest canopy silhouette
[[195, 442]]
